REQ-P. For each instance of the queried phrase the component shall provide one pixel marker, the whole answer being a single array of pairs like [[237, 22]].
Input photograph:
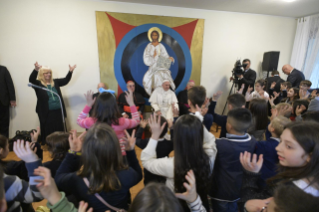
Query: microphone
[[36, 86], [55, 93]]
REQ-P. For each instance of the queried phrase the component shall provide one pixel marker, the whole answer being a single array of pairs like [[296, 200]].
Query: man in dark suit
[[294, 76], [7, 99], [248, 78]]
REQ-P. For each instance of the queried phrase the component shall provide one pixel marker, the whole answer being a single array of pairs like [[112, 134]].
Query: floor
[[134, 190]]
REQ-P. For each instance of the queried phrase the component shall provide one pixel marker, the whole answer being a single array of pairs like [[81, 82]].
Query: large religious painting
[[147, 50]]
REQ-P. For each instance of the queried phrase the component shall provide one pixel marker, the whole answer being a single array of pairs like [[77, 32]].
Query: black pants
[[52, 123], [4, 120]]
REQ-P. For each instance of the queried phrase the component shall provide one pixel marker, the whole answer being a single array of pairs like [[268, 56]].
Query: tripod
[[231, 91]]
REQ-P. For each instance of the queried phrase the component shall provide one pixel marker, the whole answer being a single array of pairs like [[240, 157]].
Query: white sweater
[[165, 166]]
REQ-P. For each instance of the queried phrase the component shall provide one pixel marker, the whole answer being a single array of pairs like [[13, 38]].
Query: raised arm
[[34, 74], [64, 81]]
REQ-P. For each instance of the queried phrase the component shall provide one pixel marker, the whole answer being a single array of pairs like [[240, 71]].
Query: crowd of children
[[260, 162]]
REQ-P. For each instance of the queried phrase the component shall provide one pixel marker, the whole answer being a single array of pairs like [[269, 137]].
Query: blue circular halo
[[144, 28]]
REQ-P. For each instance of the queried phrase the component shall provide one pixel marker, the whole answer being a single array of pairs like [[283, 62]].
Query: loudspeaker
[[270, 61]]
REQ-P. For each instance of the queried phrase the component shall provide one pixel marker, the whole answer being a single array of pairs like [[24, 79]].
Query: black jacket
[[42, 104], [278, 81], [7, 92], [295, 77], [182, 100], [248, 79]]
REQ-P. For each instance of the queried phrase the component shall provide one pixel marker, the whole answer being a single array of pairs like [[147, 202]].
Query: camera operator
[[248, 77]]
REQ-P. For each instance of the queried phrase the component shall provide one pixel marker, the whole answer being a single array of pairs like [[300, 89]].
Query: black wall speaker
[[270, 61]]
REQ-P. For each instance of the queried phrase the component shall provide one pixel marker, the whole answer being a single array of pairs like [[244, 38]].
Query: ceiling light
[[289, 0]]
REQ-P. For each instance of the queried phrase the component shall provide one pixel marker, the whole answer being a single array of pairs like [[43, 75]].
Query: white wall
[[62, 32]]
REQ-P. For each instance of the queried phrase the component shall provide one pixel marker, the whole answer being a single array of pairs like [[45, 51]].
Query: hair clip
[[102, 90]]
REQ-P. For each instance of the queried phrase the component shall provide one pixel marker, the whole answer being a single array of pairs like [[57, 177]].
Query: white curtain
[[311, 65], [301, 43], [305, 53]]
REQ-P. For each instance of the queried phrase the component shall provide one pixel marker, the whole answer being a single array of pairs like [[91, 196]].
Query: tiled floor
[[134, 190]]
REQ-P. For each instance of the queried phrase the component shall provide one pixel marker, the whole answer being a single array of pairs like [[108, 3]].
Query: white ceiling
[[297, 8]]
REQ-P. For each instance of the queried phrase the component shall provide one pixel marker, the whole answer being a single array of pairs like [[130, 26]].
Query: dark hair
[[311, 116], [299, 102], [290, 198], [307, 135], [197, 95], [236, 100], [102, 157], [288, 84], [307, 83], [258, 109], [296, 91], [261, 82], [189, 154], [239, 119], [246, 60], [155, 197], [163, 120], [274, 72], [106, 110], [58, 145]]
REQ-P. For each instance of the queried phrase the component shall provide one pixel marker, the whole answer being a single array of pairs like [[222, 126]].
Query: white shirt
[[165, 166]]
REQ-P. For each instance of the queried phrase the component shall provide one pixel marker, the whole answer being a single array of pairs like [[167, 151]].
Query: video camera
[[238, 70]]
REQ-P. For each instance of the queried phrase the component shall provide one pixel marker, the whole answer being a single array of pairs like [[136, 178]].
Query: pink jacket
[[124, 123]]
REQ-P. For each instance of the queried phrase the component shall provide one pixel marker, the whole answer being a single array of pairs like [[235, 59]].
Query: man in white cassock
[[157, 71], [162, 100]]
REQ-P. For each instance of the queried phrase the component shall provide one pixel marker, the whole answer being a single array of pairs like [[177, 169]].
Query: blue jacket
[[268, 149], [228, 171], [220, 120]]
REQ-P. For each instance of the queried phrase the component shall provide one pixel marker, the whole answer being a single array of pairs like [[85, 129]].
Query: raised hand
[[155, 124], [251, 165], [250, 89], [130, 141], [47, 186], [273, 84], [37, 66], [89, 98], [276, 94], [283, 87], [284, 110], [314, 93], [76, 142], [175, 110], [129, 98], [35, 135], [71, 68], [83, 206], [300, 109], [271, 100], [217, 95], [143, 123], [190, 195], [24, 151]]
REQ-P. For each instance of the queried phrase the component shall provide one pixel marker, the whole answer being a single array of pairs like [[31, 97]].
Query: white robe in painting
[[154, 76], [162, 100]]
